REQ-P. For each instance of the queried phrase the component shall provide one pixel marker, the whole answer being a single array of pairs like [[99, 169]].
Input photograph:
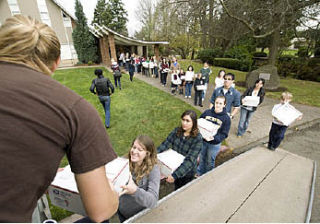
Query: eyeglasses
[[228, 79]]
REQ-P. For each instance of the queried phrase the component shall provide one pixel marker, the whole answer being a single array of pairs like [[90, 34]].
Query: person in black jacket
[[199, 84], [101, 86], [211, 144], [247, 111], [131, 69]]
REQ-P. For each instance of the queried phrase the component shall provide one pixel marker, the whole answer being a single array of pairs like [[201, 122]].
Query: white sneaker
[[202, 99], [189, 97], [185, 96]]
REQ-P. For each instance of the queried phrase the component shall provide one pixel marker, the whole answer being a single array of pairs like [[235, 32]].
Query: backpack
[[102, 86], [117, 73]]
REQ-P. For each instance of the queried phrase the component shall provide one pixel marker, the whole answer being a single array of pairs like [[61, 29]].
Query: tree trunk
[[192, 54], [274, 48], [210, 24]]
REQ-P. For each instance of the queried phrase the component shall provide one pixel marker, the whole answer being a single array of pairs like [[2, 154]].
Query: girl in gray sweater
[[142, 190]]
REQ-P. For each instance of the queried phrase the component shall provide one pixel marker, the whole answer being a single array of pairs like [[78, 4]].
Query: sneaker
[[189, 97], [271, 148], [201, 105], [239, 136], [185, 97], [202, 99]]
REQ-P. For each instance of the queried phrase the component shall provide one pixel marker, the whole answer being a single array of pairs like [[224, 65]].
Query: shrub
[[208, 55], [232, 63], [309, 73], [303, 52], [260, 54], [301, 68]]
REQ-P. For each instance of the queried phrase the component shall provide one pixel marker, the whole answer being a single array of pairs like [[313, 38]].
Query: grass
[[142, 109], [304, 92], [137, 109]]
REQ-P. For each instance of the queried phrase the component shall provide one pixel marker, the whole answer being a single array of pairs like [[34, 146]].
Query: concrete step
[[257, 186]]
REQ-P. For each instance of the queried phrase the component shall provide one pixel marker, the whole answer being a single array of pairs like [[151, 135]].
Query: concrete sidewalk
[[260, 122]]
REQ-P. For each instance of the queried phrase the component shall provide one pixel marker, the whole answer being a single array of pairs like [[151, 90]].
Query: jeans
[[207, 157], [276, 135], [105, 101], [164, 78], [156, 71], [180, 182], [204, 91], [117, 81], [197, 98], [131, 76], [188, 89], [88, 220], [245, 116]]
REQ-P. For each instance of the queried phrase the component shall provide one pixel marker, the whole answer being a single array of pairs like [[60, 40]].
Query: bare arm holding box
[[99, 198]]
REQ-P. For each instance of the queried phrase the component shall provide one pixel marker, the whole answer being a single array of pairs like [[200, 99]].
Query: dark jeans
[[105, 101], [131, 75], [88, 220], [121, 217], [156, 71], [163, 77], [276, 135], [179, 182], [198, 98], [117, 81]]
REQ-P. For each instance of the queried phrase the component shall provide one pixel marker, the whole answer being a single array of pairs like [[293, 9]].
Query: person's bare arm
[[234, 111], [210, 106], [98, 197]]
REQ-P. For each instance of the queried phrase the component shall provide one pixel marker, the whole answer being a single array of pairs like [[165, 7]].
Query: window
[[66, 20], [14, 7], [44, 14]]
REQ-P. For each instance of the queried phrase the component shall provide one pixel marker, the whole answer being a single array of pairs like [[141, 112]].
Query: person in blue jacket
[[211, 145]]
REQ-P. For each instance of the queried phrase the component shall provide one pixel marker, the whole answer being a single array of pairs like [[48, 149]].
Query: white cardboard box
[[201, 87], [207, 129], [169, 161], [251, 101], [63, 191], [287, 114]]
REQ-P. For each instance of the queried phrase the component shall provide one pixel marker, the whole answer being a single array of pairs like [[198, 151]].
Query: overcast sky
[[89, 5]]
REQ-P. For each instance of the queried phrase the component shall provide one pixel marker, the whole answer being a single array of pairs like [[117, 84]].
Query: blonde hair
[[24, 40], [286, 96], [149, 161]]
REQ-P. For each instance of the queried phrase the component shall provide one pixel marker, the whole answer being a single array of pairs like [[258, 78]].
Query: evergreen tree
[[102, 15], [119, 16], [84, 41]]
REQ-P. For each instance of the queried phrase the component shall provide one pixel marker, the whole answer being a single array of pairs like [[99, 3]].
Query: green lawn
[[304, 92], [142, 109], [137, 109]]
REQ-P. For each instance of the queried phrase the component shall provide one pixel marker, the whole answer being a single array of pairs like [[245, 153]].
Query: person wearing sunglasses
[[230, 93]]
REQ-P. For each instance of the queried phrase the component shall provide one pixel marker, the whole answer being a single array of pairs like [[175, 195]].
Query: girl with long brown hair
[[142, 190], [187, 141]]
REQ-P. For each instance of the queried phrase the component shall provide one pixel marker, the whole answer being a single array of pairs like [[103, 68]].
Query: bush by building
[[232, 63]]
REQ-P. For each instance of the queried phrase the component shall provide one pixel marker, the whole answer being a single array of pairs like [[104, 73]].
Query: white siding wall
[[14, 7]]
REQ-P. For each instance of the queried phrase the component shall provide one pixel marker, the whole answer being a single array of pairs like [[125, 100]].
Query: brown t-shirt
[[40, 121]]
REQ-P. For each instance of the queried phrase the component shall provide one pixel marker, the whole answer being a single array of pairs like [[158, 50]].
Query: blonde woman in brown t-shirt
[[41, 121]]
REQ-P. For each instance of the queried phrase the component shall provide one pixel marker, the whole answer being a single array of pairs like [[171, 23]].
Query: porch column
[[140, 50], [112, 47], [106, 51], [102, 51], [156, 51]]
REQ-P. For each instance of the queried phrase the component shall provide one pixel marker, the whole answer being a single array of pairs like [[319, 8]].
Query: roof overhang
[[64, 10], [100, 31]]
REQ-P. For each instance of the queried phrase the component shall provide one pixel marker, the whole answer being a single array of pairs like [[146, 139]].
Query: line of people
[[58, 122]]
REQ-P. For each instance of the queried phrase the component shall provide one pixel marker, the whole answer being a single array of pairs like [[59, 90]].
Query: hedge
[[208, 55], [232, 63]]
